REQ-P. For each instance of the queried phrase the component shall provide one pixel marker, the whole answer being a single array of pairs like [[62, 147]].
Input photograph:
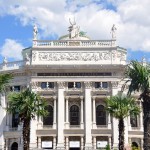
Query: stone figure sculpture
[[35, 32], [113, 31], [73, 29]]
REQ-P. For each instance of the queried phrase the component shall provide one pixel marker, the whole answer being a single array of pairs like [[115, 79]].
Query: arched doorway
[[14, 146], [100, 115], [74, 115], [48, 120]]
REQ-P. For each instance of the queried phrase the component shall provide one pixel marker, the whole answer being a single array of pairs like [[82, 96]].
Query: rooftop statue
[[113, 31], [35, 32], [73, 29]]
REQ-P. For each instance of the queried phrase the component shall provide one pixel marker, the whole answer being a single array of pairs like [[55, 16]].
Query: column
[[142, 144], [7, 146], [109, 121], [94, 143], [61, 115], [39, 142], [81, 112], [67, 143], [109, 141], [94, 114], [54, 121], [54, 142], [82, 143], [141, 117], [129, 123], [67, 121], [115, 121], [88, 118]]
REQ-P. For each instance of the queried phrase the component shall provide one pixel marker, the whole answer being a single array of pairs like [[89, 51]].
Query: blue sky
[[95, 17]]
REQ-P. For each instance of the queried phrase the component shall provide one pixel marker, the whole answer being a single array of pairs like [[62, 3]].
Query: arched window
[[135, 145], [100, 115], [134, 121], [14, 146], [74, 115], [48, 120], [15, 120]]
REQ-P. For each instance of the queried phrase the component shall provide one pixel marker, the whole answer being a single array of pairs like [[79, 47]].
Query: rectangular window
[[78, 84], [51, 85], [70, 84], [44, 85], [97, 84], [15, 88], [105, 85]]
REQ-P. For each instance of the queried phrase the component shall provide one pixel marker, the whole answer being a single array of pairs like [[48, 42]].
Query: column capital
[[94, 97], [81, 97], [88, 84], [61, 85], [54, 97], [114, 84]]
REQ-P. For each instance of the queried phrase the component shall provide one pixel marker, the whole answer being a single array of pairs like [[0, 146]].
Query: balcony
[[72, 43], [13, 131]]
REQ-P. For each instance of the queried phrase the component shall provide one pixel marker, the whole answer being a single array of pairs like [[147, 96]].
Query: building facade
[[75, 75]]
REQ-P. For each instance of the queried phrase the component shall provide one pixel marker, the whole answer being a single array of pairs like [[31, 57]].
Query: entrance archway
[[14, 146]]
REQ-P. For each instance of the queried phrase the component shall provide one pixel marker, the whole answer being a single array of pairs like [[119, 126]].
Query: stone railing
[[12, 65], [74, 43]]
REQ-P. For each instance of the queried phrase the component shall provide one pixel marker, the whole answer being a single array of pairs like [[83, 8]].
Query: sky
[[95, 17]]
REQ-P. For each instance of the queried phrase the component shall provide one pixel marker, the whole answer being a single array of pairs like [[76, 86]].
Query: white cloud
[[130, 16], [11, 49]]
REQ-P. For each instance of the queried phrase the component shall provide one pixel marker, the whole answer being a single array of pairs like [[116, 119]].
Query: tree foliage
[[120, 107], [28, 105]]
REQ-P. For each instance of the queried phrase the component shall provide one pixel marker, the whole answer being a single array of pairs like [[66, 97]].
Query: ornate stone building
[[75, 75]]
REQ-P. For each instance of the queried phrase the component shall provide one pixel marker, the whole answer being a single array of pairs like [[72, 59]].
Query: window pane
[[70, 84], [15, 120], [44, 85], [78, 84], [48, 120], [51, 84], [133, 121], [97, 84], [104, 84], [74, 115], [100, 115]]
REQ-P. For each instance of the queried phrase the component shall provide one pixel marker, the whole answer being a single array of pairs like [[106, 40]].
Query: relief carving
[[73, 56]]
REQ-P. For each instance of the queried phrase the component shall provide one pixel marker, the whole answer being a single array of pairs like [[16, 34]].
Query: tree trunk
[[121, 134], [146, 121], [26, 134]]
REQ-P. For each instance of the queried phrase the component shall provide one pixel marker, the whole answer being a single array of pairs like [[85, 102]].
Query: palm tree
[[4, 80], [139, 79], [121, 107], [27, 104]]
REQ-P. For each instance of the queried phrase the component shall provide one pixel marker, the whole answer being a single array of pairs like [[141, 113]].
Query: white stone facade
[[75, 76]]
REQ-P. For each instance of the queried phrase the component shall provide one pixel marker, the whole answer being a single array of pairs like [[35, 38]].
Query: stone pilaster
[[67, 113], [54, 122], [67, 143], [94, 114], [54, 142], [81, 112], [115, 121], [60, 124], [94, 142], [88, 118]]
